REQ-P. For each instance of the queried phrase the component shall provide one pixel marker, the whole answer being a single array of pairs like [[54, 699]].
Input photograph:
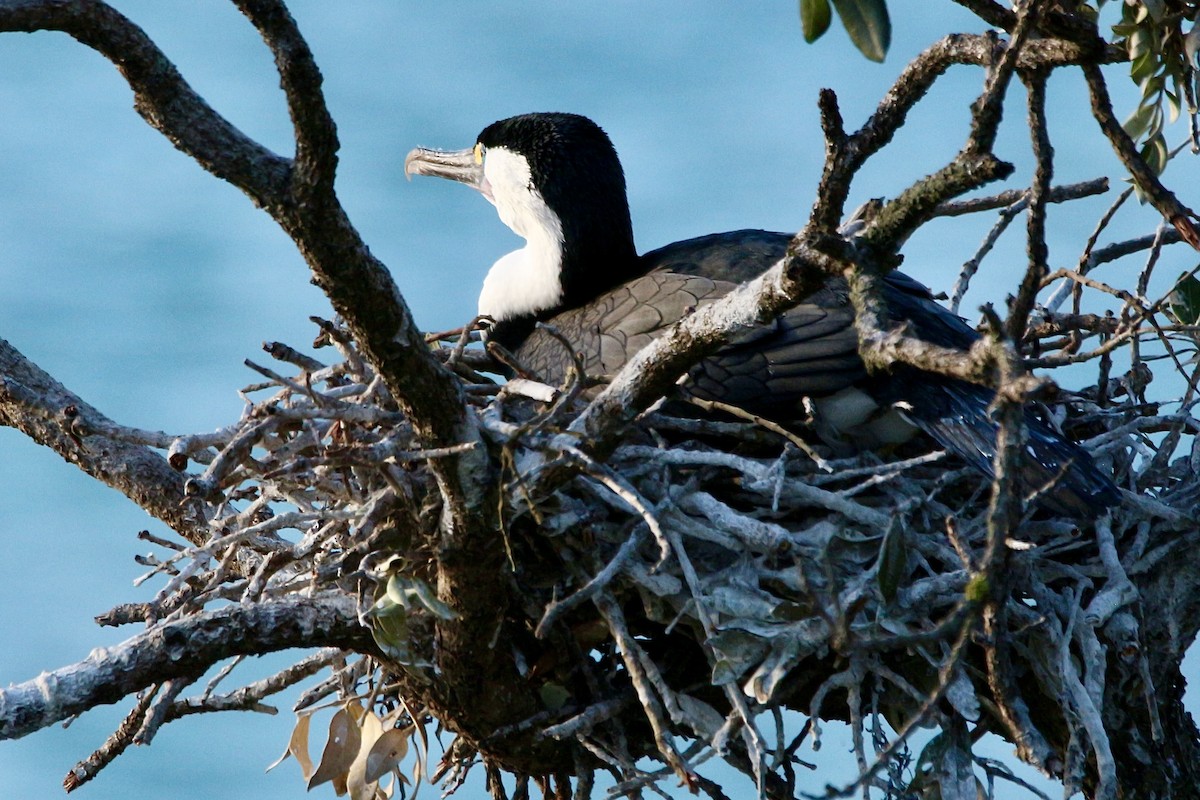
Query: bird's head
[[556, 181]]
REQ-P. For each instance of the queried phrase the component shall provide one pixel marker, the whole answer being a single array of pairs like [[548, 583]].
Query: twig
[[116, 744]]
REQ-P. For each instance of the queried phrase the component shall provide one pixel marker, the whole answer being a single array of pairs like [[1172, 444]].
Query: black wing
[[811, 351], [608, 331]]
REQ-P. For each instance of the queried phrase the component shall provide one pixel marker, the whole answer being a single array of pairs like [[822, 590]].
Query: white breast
[[527, 280]]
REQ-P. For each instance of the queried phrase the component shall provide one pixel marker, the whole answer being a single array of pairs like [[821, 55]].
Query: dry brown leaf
[[340, 750], [298, 747], [387, 753], [359, 786]]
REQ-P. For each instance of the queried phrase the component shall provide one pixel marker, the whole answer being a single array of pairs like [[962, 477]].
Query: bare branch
[[1020, 197], [35, 404], [181, 649], [161, 95], [1043, 153]]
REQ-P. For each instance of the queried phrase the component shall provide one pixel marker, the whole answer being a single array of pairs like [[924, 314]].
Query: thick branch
[[917, 204], [361, 288], [989, 108], [471, 577], [44, 410], [161, 95], [300, 78], [303, 202], [185, 648]]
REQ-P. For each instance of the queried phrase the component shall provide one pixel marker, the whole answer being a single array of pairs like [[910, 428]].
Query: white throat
[[528, 280]]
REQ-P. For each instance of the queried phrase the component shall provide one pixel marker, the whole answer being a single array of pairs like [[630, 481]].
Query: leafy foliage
[[866, 22], [1163, 65]]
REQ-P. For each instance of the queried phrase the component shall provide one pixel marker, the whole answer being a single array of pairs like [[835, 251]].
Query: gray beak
[[456, 165]]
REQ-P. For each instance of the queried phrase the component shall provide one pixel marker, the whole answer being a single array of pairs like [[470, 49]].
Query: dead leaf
[[387, 753], [298, 747], [360, 787], [340, 750]]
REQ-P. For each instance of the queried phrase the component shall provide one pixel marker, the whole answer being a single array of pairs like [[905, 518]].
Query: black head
[[555, 179], [574, 167]]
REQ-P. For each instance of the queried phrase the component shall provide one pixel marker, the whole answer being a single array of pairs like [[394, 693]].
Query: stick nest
[[713, 570]]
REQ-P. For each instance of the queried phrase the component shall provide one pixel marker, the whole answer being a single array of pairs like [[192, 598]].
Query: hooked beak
[[456, 165]]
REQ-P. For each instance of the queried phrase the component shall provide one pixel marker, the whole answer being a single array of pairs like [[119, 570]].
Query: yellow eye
[[478, 153]]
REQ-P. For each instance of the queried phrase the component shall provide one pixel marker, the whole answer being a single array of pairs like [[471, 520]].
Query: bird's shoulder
[[736, 256], [614, 326]]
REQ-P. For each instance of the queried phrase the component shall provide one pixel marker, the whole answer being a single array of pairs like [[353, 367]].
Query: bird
[[556, 181]]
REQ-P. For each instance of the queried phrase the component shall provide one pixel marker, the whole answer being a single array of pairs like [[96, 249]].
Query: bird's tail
[[1068, 482]]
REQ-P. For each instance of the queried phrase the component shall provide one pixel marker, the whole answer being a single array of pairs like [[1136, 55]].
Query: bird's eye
[[479, 150]]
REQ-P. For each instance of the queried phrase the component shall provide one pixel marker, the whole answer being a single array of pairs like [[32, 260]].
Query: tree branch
[[163, 98], [185, 648], [301, 198], [1043, 153], [1160, 196], [316, 134], [47, 412]]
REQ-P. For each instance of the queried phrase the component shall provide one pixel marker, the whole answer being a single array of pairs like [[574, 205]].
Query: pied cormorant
[[556, 181]]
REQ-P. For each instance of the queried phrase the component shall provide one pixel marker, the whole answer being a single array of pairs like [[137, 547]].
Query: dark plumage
[[556, 180]]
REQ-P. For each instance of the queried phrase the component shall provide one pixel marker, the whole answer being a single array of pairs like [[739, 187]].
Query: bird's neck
[[556, 270], [525, 282]]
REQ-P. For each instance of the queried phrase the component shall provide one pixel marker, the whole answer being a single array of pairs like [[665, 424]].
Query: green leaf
[[1143, 66], [814, 18], [554, 696], [1185, 300], [413, 592], [868, 24], [1155, 153], [1140, 43], [1152, 85], [1173, 107], [1138, 122], [389, 628]]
